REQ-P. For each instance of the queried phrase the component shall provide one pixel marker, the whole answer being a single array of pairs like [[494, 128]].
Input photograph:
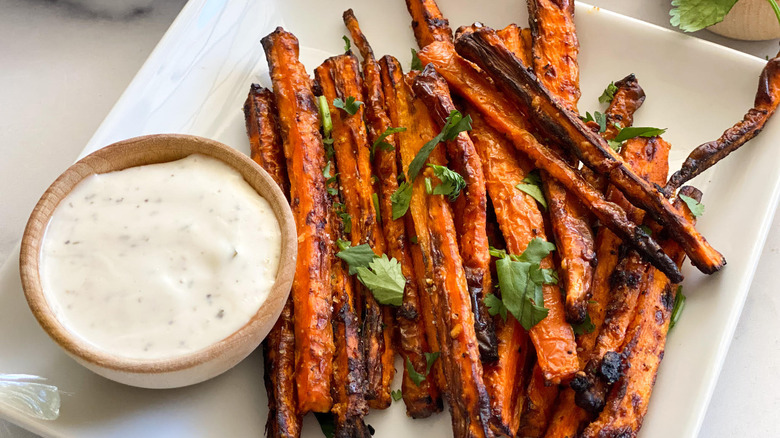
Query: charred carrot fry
[[540, 402], [706, 155], [520, 221], [569, 418], [424, 399], [339, 78], [643, 350], [485, 49], [279, 346], [518, 218], [428, 23], [500, 113], [555, 49], [470, 209], [435, 231], [303, 148], [649, 158], [349, 372]]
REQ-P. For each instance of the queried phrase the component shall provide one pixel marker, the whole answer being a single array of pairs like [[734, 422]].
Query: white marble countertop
[[63, 68]]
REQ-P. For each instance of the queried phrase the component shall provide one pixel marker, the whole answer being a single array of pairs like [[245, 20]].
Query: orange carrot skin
[[423, 400], [539, 406], [279, 346], [470, 209], [435, 231], [428, 23], [339, 77], [643, 350], [304, 150]]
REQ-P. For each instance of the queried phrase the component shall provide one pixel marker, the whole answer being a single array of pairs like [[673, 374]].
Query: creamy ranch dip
[[161, 260]]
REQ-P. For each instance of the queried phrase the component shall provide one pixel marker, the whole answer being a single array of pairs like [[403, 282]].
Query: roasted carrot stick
[[568, 417], [349, 372], [643, 350], [470, 214], [706, 155], [540, 402], [555, 49], [266, 149], [485, 49], [303, 148], [424, 399], [339, 78], [649, 157], [435, 231], [428, 23], [518, 218], [500, 113]]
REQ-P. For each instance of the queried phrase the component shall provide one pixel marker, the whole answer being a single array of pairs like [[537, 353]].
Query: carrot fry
[[424, 399], [470, 214], [520, 221], [706, 155], [303, 148], [643, 350], [485, 49], [349, 372], [539, 406], [428, 23], [435, 231], [339, 78], [555, 49], [500, 113], [568, 417], [279, 346], [649, 158]]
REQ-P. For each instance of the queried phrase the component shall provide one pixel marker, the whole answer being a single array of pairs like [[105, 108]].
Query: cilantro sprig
[[416, 63], [453, 125], [630, 132], [679, 305], [351, 105], [609, 93], [451, 182], [696, 207], [584, 327], [520, 280], [327, 125], [418, 377], [347, 44], [532, 185], [693, 15], [381, 143], [597, 117], [381, 275]]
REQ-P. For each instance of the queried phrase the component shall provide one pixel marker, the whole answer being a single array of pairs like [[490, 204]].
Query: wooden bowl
[[749, 20], [193, 367]]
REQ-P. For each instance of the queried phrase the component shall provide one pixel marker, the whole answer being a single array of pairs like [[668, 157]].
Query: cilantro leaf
[[495, 306], [646, 229], [346, 218], [325, 120], [327, 424], [375, 199], [430, 358], [454, 125], [347, 44], [416, 377], [380, 141], [356, 257], [343, 244], [696, 207], [608, 94], [400, 199], [351, 106], [601, 119], [520, 279], [396, 395], [451, 182], [615, 145], [536, 250], [679, 305], [584, 327], [638, 131], [416, 63], [384, 279], [532, 185], [693, 15], [428, 186]]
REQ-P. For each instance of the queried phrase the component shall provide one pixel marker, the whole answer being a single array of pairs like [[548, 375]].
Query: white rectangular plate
[[196, 81]]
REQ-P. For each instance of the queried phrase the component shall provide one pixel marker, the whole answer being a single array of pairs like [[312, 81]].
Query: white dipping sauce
[[162, 260]]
